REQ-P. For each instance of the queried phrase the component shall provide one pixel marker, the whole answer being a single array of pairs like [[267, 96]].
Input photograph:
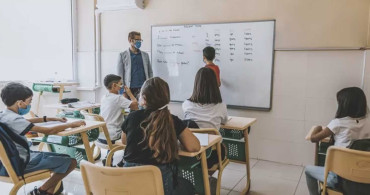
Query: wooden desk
[[212, 140], [61, 86], [83, 131], [65, 107], [242, 124]]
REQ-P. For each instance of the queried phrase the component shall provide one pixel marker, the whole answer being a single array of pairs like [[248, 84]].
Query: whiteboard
[[244, 54]]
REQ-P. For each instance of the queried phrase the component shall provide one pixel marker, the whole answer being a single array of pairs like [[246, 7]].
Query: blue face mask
[[138, 44], [121, 91], [23, 111]]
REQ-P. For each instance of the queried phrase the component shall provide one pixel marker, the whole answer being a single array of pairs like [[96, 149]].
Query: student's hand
[[127, 90], [77, 124]]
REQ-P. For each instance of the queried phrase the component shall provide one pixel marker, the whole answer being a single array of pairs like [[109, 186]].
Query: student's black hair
[[206, 90], [110, 79], [209, 53], [352, 103], [14, 92]]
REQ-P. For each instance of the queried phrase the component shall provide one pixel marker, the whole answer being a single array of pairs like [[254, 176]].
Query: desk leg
[[61, 91], [248, 184], [38, 102], [207, 189], [89, 152]]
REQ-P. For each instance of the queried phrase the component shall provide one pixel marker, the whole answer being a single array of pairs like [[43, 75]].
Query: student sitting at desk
[[151, 134], [18, 98], [205, 105], [112, 108], [347, 126]]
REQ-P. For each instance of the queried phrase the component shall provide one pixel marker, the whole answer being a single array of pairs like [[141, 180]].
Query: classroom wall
[[305, 82]]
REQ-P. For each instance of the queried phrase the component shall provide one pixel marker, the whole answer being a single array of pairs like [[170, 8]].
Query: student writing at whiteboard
[[209, 54], [134, 65]]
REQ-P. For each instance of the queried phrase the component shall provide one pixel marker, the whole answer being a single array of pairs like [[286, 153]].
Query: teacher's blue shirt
[[137, 70]]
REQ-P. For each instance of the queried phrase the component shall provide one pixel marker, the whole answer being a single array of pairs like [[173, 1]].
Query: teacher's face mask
[[138, 44]]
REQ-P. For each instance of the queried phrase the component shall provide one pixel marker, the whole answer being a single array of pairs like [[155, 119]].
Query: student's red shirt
[[217, 71]]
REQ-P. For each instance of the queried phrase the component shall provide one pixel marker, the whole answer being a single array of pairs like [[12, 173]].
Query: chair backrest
[[6, 163], [121, 181], [360, 144], [92, 117], [349, 164]]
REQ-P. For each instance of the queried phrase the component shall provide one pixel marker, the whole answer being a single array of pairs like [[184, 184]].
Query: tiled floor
[[268, 178]]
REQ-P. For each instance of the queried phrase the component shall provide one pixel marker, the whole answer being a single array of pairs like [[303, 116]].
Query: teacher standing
[[134, 65]]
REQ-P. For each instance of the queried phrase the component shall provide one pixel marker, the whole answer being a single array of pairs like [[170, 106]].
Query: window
[[36, 40]]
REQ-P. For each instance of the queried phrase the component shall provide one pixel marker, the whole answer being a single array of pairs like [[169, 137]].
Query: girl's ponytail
[[158, 128]]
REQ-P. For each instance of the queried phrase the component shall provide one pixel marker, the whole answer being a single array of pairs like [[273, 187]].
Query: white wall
[[35, 37], [305, 82]]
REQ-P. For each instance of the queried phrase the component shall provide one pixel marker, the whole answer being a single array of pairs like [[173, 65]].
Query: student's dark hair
[[158, 128], [110, 79], [352, 103], [209, 53], [206, 90], [14, 92], [132, 34]]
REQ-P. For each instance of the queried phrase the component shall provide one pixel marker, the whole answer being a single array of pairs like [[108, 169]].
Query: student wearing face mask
[[112, 105], [134, 65], [17, 99]]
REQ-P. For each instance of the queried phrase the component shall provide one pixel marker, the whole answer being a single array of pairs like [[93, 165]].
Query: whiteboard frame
[[272, 65]]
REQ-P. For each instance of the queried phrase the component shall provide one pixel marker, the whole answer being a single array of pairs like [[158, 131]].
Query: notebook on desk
[[203, 138]]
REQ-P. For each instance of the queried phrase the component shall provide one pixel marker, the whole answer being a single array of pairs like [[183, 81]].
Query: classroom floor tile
[[302, 189], [230, 178], [240, 167], [277, 170], [263, 184], [224, 192]]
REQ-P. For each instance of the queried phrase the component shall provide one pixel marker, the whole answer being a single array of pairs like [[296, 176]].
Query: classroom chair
[[116, 147], [139, 180], [18, 181], [220, 166], [352, 165]]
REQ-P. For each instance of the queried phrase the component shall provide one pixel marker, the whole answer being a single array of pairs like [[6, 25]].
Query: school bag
[[12, 143], [350, 187]]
